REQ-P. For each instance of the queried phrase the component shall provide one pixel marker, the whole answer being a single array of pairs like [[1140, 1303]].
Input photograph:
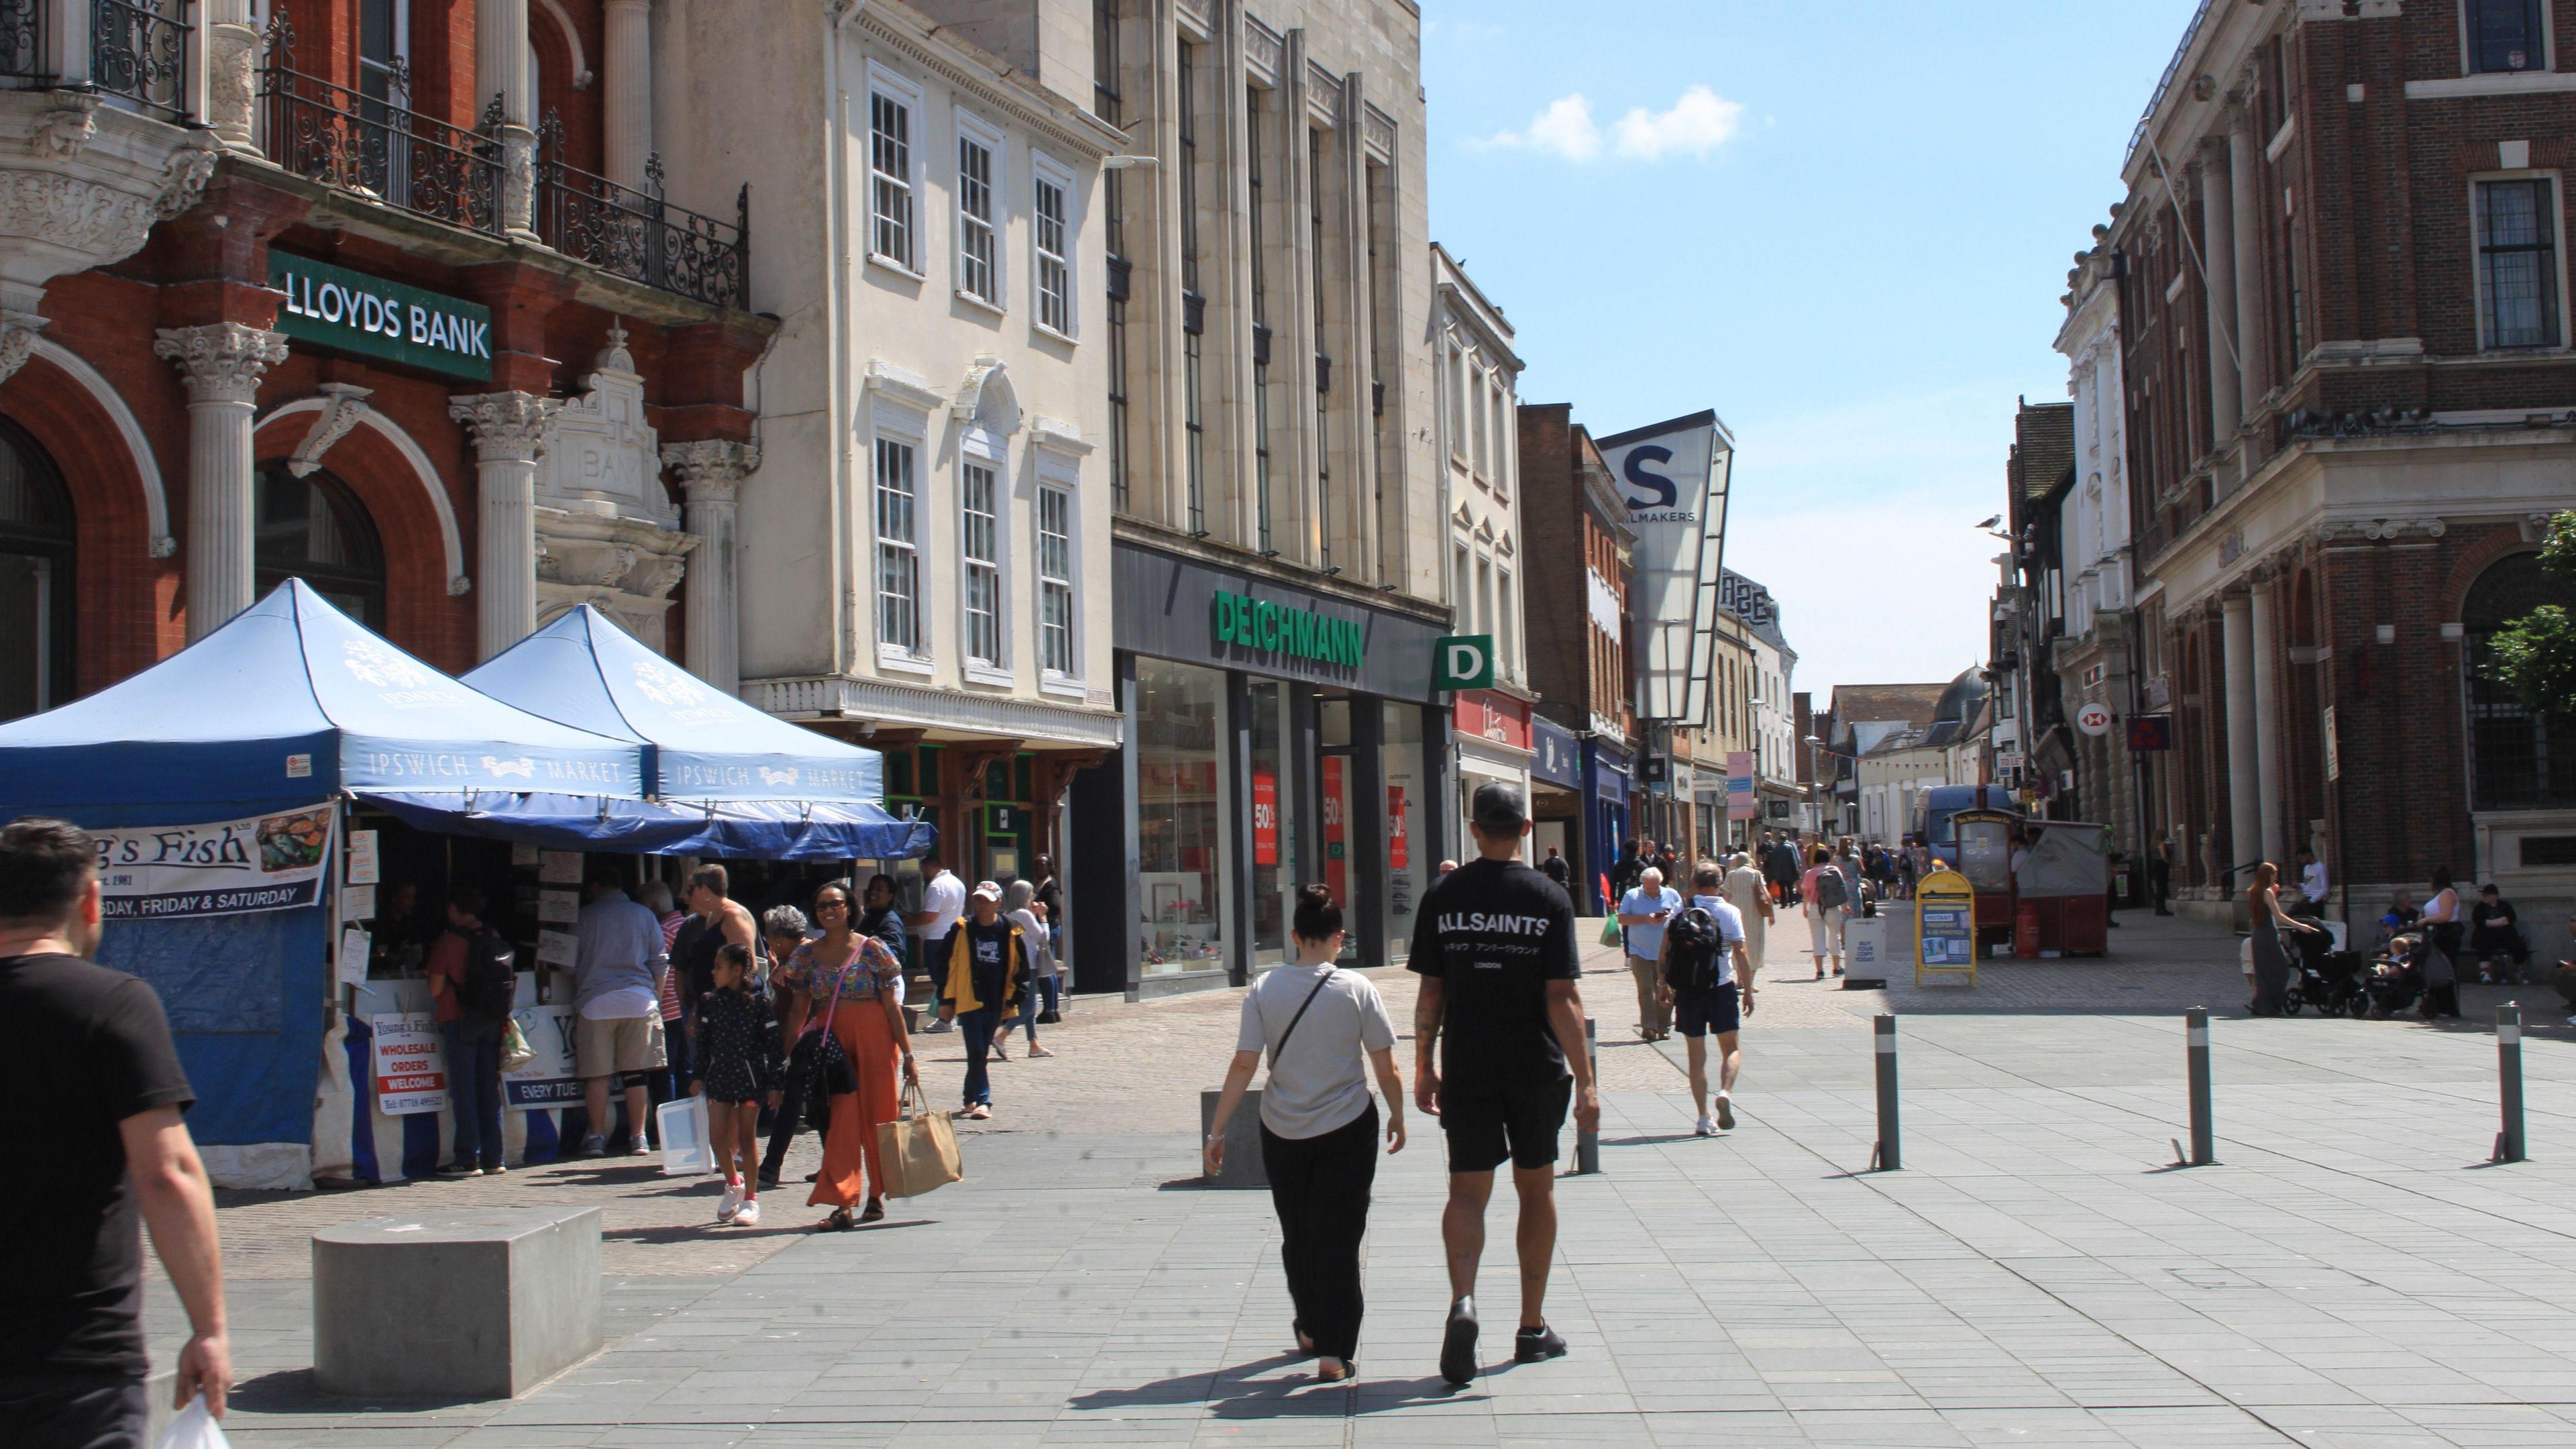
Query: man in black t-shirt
[[1494, 945], [90, 1087]]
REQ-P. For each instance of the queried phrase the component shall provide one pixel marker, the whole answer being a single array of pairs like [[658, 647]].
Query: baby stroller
[[2396, 982], [2334, 982]]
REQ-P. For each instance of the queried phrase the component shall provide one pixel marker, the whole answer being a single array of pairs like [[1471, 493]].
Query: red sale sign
[[1336, 846], [1265, 818], [1396, 841]]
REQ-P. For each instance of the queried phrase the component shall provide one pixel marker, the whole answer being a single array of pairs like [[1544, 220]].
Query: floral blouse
[[871, 968]]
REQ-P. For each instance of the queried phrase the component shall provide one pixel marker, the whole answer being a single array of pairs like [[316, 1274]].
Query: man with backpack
[[473, 982], [1707, 983]]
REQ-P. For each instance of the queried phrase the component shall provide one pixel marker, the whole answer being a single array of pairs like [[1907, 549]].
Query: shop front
[[1490, 730], [1605, 816], [1556, 798], [1276, 736]]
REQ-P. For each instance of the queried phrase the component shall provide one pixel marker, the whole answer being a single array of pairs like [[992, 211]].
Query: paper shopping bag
[[919, 1149]]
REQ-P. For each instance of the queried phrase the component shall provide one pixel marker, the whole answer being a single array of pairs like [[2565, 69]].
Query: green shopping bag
[[1610, 932]]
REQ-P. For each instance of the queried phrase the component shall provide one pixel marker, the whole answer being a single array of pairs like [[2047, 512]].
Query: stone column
[[232, 62], [501, 72], [2218, 254], [711, 471], [2244, 163], [220, 365], [2244, 765], [627, 74], [2264, 622], [509, 431]]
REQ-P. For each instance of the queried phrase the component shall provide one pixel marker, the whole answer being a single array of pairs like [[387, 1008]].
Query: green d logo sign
[[1463, 661]]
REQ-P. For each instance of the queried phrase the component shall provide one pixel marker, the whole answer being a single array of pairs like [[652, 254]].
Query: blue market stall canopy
[[751, 785], [292, 700]]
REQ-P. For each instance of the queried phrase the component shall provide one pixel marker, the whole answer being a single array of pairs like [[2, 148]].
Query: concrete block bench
[[1242, 1140], [476, 1304]]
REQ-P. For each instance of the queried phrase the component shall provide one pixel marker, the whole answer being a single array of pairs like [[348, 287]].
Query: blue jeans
[[978, 1027], [474, 1089]]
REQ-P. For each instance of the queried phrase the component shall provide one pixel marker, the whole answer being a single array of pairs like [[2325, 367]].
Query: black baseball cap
[[1497, 809]]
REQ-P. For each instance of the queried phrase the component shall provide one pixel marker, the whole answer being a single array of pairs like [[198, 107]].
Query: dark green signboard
[[352, 312], [1299, 633]]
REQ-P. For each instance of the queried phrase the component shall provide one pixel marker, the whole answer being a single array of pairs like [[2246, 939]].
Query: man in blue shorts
[[1494, 945], [1701, 981]]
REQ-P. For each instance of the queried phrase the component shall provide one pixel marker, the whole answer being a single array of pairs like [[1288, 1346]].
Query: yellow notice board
[[1945, 927]]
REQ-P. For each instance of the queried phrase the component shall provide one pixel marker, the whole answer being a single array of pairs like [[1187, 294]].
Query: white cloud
[[1698, 123], [1564, 129]]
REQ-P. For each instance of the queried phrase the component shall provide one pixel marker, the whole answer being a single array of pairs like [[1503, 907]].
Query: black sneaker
[[459, 1169], [1458, 1344], [1532, 1344]]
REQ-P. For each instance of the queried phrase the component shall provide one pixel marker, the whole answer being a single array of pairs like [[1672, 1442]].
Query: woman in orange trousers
[[853, 977]]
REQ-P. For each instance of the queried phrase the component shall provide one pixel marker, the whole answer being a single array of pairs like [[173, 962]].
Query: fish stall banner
[[1672, 477], [270, 862]]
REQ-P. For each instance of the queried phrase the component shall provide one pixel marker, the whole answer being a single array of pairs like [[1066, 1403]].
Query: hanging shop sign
[[1299, 633], [1740, 802], [353, 312], [1559, 759], [1497, 719], [271, 862], [1672, 478], [1463, 661], [411, 1064]]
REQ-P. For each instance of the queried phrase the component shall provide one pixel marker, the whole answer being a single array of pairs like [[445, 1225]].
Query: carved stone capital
[[221, 362], [66, 126], [508, 427], [710, 468], [343, 404], [17, 341]]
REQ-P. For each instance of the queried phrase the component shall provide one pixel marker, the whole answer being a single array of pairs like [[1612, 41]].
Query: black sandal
[[838, 1222], [874, 1210]]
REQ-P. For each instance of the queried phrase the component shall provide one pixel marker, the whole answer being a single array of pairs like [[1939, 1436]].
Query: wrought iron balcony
[[637, 234], [368, 145], [133, 51]]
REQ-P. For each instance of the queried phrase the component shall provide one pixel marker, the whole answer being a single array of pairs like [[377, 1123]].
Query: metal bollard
[[2204, 1142], [1587, 1145], [2509, 1142], [1887, 1156]]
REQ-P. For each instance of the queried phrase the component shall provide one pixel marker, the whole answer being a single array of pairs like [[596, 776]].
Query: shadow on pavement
[[1229, 1393], [291, 1391]]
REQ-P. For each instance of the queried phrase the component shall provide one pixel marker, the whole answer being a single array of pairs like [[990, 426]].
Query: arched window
[[35, 578], [314, 529], [2519, 759]]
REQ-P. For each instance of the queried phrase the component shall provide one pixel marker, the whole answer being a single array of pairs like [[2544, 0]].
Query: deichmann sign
[[1241, 619], [1463, 661], [354, 312]]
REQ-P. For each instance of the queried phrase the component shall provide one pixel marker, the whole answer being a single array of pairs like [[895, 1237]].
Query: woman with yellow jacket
[[987, 962]]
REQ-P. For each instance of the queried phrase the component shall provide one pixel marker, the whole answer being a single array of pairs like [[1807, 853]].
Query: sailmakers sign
[[1672, 478], [353, 312]]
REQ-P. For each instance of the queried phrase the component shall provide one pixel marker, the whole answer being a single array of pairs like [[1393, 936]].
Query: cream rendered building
[[1478, 378], [925, 550]]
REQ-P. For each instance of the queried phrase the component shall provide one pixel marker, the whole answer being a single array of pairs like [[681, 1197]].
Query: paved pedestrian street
[[2352, 1273]]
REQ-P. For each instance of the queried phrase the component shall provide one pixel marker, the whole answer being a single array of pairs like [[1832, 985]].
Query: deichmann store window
[[1275, 736]]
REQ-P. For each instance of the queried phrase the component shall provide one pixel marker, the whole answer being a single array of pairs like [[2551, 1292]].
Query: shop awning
[[292, 701], [741, 782]]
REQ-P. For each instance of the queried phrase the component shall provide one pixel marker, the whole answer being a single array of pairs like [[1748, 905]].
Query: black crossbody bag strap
[[1282, 1044]]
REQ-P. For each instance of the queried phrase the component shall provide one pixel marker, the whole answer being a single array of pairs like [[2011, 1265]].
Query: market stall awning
[[748, 783], [292, 700]]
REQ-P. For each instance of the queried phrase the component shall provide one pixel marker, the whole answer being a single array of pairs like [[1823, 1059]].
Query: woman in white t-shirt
[[1324, 1029]]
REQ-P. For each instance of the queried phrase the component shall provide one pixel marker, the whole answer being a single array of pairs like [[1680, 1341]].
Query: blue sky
[[1844, 226]]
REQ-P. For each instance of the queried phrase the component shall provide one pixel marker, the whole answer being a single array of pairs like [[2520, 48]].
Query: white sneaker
[[640, 1147], [748, 1215], [936, 1026], [1725, 1112], [732, 1203], [1707, 1126]]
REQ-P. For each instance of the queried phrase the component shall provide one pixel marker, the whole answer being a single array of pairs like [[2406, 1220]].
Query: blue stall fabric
[[244, 997], [754, 784]]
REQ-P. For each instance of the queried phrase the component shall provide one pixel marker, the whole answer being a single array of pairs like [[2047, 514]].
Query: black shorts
[[1702, 1012], [74, 1412], [1518, 1120]]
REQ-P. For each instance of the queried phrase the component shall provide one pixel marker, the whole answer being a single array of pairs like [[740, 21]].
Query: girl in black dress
[[732, 1057]]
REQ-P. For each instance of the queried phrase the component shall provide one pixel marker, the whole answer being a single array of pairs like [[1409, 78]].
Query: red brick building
[[390, 296], [2350, 407], [1577, 601]]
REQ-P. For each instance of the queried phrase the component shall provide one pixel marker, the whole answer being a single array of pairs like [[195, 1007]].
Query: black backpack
[[490, 983], [1830, 891], [1691, 944]]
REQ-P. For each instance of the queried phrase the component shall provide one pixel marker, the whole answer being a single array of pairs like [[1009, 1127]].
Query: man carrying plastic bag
[[90, 1086]]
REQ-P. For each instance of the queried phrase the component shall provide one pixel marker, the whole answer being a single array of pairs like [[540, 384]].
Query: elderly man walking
[[1643, 913], [616, 989]]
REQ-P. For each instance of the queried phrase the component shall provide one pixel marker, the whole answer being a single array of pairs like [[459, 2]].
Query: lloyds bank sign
[[1287, 630], [351, 311]]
